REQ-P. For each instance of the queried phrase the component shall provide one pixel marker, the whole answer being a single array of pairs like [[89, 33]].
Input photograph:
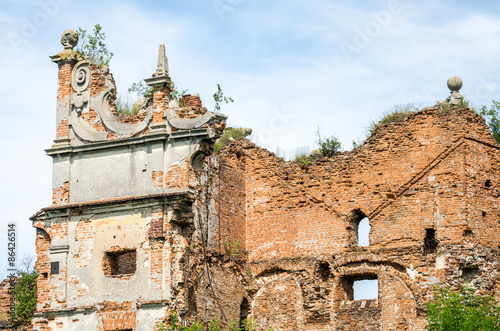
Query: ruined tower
[[146, 219], [110, 246]]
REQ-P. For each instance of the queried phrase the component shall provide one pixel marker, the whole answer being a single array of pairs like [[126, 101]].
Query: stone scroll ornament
[[80, 80], [81, 102]]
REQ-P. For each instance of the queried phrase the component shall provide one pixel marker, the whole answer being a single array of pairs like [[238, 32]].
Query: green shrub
[[302, 157], [233, 249], [25, 295], [327, 146], [219, 97], [453, 310], [123, 105], [177, 95]]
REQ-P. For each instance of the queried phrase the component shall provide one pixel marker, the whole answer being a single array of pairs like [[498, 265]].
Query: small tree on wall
[[94, 46]]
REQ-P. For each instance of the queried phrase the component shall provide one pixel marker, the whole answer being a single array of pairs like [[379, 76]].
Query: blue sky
[[289, 65]]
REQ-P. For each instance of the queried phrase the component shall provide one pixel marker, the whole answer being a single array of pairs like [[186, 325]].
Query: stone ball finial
[[454, 83], [69, 39]]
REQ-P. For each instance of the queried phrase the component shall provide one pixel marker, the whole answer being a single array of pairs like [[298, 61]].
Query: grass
[[397, 113], [230, 134]]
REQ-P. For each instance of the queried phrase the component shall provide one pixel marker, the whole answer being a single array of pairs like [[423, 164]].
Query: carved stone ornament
[[79, 102], [69, 39], [80, 77]]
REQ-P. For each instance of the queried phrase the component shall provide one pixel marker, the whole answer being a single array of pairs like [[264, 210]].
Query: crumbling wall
[[146, 221], [427, 201]]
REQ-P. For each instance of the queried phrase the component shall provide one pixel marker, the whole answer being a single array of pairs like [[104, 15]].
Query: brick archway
[[275, 250], [279, 302]]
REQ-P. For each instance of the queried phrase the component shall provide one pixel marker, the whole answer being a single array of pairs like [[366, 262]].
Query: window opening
[[365, 289], [120, 263], [363, 232], [468, 274], [244, 312], [360, 287], [430, 241]]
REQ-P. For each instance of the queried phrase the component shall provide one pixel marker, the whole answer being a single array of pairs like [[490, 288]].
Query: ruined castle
[[146, 219]]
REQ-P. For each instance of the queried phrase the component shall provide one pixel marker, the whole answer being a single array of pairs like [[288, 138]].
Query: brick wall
[[232, 201], [436, 171]]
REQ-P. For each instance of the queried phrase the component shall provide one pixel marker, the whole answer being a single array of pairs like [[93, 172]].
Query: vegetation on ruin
[[219, 98], [141, 89], [93, 45], [492, 117], [233, 249], [328, 147], [25, 293], [230, 134], [302, 157], [463, 310], [125, 106], [177, 95], [397, 113], [175, 325]]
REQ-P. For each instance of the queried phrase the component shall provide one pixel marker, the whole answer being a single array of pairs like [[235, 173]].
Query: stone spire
[[160, 76], [162, 62]]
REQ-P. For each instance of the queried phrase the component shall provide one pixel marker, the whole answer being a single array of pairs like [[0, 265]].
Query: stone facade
[[146, 220]]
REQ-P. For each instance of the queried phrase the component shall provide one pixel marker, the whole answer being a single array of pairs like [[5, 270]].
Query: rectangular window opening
[[120, 263], [430, 241], [360, 288], [365, 289], [470, 273]]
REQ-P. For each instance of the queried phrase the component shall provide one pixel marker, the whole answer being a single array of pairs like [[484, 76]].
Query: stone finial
[[455, 98], [454, 84], [160, 76], [162, 67], [162, 61], [69, 39]]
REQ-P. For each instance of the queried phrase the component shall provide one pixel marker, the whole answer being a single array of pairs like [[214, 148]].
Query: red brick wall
[[436, 170], [43, 267], [63, 91], [232, 208], [392, 179]]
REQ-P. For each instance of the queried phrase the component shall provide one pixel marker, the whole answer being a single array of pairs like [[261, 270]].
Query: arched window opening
[[363, 232]]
